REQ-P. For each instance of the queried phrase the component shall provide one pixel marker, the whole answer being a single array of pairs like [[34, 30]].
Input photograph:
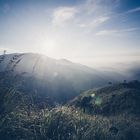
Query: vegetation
[[110, 113]]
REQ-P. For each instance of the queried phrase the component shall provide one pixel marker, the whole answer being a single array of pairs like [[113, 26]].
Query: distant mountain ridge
[[60, 79]]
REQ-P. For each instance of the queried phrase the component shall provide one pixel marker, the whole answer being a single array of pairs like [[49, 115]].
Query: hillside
[[30, 107], [53, 78], [111, 100], [110, 113]]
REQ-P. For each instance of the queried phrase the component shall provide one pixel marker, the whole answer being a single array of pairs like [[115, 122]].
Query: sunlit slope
[[117, 99], [60, 79]]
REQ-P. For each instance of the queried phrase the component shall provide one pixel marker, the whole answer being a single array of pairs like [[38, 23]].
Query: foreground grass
[[66, 123]]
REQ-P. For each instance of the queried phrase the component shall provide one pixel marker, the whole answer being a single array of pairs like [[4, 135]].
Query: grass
[[66, 123], [22, 119]]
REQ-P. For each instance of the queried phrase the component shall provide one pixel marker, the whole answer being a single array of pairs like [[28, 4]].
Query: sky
[[90, 32]]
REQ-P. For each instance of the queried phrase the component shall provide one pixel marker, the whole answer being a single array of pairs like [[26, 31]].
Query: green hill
[[111, 100], [110, 113]]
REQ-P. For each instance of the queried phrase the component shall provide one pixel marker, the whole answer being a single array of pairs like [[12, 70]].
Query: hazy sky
[[92, 32]]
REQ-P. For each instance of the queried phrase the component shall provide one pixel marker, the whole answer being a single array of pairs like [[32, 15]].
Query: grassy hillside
[[53, 78], [111, 100], [84, 118], [110, 113], [65, 123]]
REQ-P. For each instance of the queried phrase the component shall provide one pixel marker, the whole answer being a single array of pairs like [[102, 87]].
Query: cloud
[[63, 14], [89, 13], [106, 32], [94, 23], [115, 32], [133, 10]]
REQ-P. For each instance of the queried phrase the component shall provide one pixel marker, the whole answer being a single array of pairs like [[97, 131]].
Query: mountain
[[109, 113], [60, 80], [134, 72], [110, 101], [43, 99]]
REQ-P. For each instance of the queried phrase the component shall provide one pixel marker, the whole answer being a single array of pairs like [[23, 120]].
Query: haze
[[92, 32]]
